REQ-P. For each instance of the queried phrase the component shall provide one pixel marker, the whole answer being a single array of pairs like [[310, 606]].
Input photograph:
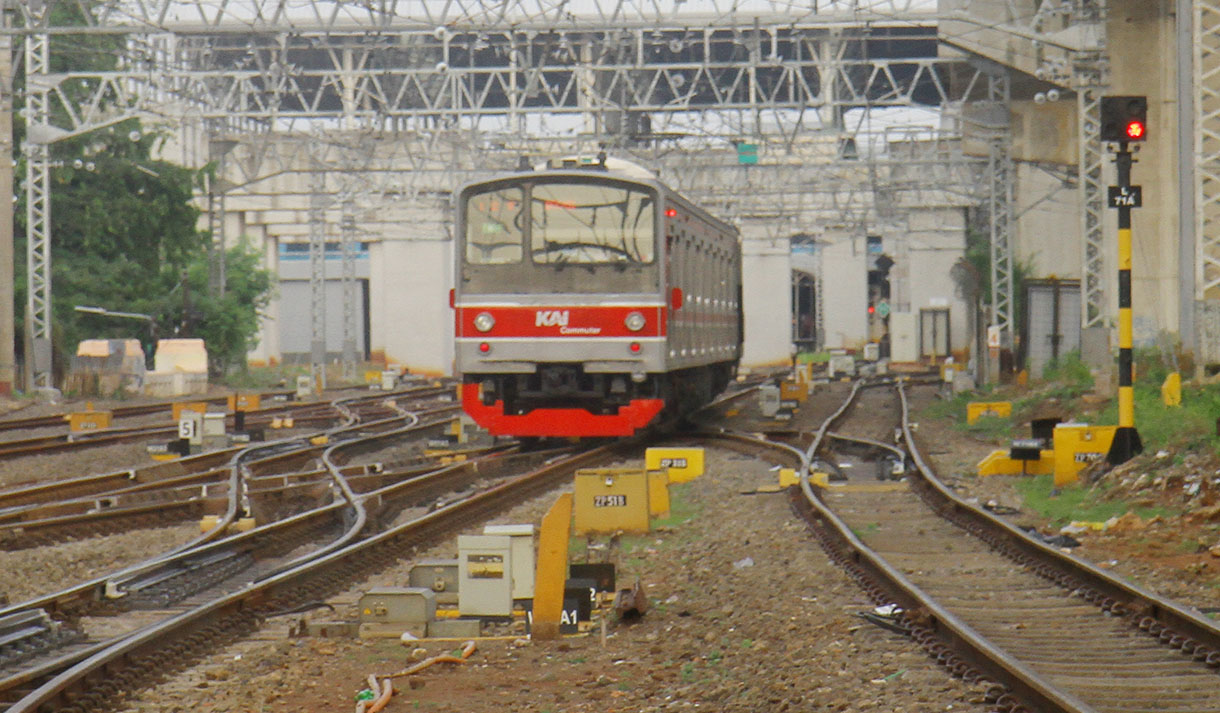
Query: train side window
[[493, 227]]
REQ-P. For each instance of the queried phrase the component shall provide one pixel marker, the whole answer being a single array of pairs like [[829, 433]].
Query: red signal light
[[1135, 129], [871, 309], [671, 213]]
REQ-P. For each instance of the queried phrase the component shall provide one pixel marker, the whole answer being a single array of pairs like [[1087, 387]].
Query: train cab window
[[494, 227], [591, 224]]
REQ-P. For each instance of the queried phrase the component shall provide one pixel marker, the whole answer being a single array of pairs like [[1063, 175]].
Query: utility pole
[[8, 357]]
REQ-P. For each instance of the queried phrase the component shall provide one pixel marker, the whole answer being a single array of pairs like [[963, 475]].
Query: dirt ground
[[747, 613]]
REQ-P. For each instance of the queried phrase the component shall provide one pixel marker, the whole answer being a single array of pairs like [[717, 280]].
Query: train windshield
[[590, 224], [493, 227], [543, 234]]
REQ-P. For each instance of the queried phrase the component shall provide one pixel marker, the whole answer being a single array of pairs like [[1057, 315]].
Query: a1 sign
[[1126, 196]]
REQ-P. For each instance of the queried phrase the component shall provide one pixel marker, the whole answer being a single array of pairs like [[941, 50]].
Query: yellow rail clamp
[[85, 421], [277, 422], [372, 377], [683, 463], [244, 524], [180, 406], [1077, 445], [994, 409], [819, 479], [552, 569], [319, 440], [658, 493], [288, 421], [732, 412], [611, 499], [1171, 390], [787, 477], [1001, 463], [209, 522]]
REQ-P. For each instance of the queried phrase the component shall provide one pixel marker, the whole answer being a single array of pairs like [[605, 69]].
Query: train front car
[[562, 306]]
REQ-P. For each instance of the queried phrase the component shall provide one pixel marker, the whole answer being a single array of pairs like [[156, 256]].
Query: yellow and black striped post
[[1126, 442]]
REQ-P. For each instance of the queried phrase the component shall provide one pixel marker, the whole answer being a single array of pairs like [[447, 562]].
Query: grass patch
[[1191, 426], [1076, 503]]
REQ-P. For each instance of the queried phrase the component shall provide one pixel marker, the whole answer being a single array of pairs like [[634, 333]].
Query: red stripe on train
[[560, 321], [558, 421]]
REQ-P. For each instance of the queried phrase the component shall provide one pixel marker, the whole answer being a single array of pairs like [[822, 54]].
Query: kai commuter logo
[[551, 318]]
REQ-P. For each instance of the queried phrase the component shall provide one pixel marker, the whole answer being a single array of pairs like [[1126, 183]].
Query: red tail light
[[675, 298], [484, 347]]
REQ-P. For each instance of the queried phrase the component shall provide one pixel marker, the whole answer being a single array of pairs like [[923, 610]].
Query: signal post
[[1124, 120]]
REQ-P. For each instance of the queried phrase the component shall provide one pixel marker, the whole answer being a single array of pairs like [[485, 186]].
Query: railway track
[[1051, 632], [297, 559]]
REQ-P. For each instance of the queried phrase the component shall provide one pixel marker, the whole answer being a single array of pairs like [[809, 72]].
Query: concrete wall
[[844, 291], [766, 298], [935, 240]]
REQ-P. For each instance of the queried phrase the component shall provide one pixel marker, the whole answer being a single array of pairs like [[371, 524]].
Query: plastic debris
[[743, 563], [366, 695], [998, 509]]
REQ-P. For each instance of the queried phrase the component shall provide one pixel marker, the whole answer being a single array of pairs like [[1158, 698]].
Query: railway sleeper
[[25, 635]]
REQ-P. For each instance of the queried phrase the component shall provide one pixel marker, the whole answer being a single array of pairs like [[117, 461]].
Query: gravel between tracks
[[51, 568], [774, 632]]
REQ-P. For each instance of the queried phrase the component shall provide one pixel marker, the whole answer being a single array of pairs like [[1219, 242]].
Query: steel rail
[[82, 688], [1174, 625], [886, 584]]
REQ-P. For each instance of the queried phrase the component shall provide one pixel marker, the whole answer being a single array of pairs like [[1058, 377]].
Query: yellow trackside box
[[610, 499], [180, 406], [683, 463], [793, 391], [245, 402], [84, 421], [979, 409], [1076, 446], [658, 493]]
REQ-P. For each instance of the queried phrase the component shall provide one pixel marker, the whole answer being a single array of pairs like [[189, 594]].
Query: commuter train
[[590, 299]]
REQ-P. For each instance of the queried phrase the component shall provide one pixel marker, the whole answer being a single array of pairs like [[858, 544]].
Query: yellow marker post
[[1171, 390], [552, 569], [658, 493]]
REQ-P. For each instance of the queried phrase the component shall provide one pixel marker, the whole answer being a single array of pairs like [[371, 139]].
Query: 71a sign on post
[[1126, 197]]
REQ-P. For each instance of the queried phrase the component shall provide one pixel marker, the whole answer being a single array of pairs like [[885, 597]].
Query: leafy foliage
[[123, 229]]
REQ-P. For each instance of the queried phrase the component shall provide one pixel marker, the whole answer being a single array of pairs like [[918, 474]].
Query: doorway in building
[[804, 311]]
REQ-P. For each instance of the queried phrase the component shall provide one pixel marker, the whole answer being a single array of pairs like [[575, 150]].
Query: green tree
[[124, 229]]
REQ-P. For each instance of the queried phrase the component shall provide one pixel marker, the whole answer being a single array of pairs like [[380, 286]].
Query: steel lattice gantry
[[1206, 65], [641, 76]]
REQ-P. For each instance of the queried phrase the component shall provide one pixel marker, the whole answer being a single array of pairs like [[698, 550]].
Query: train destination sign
[[1126, 196]]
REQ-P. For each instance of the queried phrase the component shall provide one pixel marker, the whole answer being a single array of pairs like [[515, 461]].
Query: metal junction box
[[441, 576], [522, 556], [485, 583], [610, 500], [398, 605], [768, 400]]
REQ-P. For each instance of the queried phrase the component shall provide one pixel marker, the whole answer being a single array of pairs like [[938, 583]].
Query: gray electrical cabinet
[[441, 576], [522, 556], [485, 583]]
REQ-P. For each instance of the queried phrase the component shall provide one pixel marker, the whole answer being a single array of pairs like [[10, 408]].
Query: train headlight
[[484, 322], [635, 321]]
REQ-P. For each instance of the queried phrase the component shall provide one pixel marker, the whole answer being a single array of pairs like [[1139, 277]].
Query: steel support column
[[317, 278], [1206, 33], [1092, 286], [347, 224], [1000, 199], [38, 212]]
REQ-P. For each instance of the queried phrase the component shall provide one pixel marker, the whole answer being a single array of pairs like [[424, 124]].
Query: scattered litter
[[891, 677], [743, 563], [775, 468], [408, 636], [998, 509], [888, 610], [886, 617], [1053, 540], [1077, 527], [1162, 454], [673, 598]]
